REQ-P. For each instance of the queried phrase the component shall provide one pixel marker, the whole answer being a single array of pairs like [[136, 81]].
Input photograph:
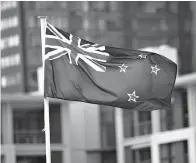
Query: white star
[[123, 67], [132, 96], [155, 69], [142, 56], [43, 130]]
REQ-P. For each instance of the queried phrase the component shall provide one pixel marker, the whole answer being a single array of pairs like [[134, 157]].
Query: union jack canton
[[62, 43]]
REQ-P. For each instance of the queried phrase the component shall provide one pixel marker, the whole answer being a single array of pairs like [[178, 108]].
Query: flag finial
[[42, 17]]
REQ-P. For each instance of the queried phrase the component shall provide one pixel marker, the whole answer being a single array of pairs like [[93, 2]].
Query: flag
[[80, 70]]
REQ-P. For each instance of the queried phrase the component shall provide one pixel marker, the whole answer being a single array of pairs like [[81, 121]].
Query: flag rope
[[46, 100]]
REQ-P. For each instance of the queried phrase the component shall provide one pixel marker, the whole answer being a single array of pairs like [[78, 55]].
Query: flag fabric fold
[[79, 70]]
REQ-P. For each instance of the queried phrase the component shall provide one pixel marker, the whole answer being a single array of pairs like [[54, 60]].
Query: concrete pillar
[[192, 148], [119, 135], [65, 131], [10, 154], [155, 152], [191, 96], [77, 132], [155, 121], [7, 128]]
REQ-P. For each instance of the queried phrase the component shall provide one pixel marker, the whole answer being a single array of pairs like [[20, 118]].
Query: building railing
[[29, 137]]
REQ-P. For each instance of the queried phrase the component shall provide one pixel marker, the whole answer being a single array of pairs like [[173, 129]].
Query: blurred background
[[82, 132]]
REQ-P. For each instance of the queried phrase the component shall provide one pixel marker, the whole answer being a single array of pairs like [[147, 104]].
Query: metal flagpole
[[46, 100], [119, 135]]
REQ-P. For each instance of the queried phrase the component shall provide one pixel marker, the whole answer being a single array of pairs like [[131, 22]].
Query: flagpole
[[46, 100]]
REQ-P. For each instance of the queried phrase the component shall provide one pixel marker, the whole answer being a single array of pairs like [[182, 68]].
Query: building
[[86, 133], [121, 24], [162, 136], [79, 132], [12, 61]]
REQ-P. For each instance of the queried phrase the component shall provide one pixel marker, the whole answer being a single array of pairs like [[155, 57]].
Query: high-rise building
[[121, 24], [82, 132], [12, 61]]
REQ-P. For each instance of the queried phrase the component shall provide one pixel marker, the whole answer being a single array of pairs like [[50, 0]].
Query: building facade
[[87, 133], [79, 132], [12, 61], [133, 25]]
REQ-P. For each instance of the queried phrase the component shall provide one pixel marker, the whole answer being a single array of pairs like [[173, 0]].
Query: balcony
[[29, 137]]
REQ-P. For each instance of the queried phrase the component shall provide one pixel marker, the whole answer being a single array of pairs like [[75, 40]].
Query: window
[[55, 123], [10, 41], [128, 119], [8, 5], [29, 122], [174, 152], [46, 5], [102, 24], [113, 5], [11, 60], [85, 5], [56, 157], [3, 81], [60, 22], [3, 43], [177, 117], [30, 159], [85, 24], [108, 157], [144, 122], [99, 6], [152, 7], [63, 4], [185, 147], [32, 80], [9, 22], [173, 6], [145, 154], [28, 125], [101, 157], [30, 5], [2, 159], [114, 25], [10, 80], [107, 126], [14, 41], [142, 155]]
